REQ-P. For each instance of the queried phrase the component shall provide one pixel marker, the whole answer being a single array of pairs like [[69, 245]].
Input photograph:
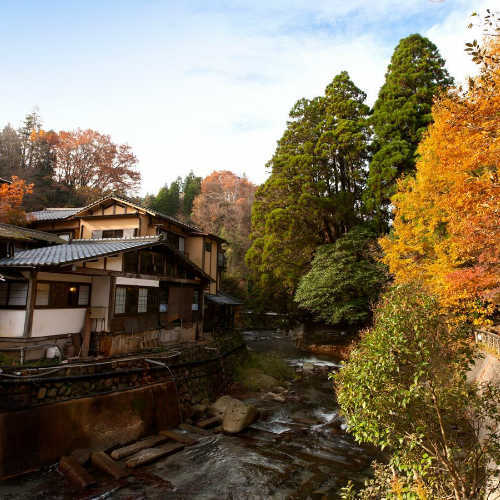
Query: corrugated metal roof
[[10, 231], [223, 299], [52, 214], [72, 252]]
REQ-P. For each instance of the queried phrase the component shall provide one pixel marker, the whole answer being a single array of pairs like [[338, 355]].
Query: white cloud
[[210, 87]]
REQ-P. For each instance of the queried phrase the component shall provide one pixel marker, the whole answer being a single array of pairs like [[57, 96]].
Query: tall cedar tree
[[313, 194], [401, 114]]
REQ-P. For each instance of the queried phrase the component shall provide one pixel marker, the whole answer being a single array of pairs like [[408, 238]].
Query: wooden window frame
[[68, 283], [152, 300], [15, 308]]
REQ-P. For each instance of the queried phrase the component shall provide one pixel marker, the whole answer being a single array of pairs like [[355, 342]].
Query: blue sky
[[204, 85]]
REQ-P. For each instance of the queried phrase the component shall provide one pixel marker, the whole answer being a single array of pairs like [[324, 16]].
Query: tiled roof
[[77, 250], [8, 231], [82, 250], [52, 214]]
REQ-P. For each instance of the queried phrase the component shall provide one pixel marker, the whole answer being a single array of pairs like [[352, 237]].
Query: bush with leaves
[[345, 278], [404, 388]]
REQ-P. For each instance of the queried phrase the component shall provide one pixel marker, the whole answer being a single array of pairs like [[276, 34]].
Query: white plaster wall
[[76, 278], [136, 282], [12, 322], [48, 322], [100, 298]]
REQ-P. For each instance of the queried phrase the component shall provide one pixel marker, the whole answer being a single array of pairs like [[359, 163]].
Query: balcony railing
[[488, 339]]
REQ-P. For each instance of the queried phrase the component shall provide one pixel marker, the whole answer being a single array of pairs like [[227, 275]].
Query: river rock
[[219, 407], [238, 416], [308, 368], [280, 398]]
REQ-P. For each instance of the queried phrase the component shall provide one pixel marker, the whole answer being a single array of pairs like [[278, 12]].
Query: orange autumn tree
[[11, 201], [446, 230], [224, 208]]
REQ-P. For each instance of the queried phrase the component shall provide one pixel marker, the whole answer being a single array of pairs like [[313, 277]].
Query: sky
[[204, 85]]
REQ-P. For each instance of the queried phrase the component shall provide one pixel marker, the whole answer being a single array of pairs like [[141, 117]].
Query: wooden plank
[[151, 454], [148, 442], [104, 462], [179, 437], [70, 467], [209, 422], [196, 430]]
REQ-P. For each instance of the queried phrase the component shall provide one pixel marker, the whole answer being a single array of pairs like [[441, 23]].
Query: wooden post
[[111, 302], [30, 304]]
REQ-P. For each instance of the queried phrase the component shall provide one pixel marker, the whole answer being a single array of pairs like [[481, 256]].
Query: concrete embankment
[[46, 417]]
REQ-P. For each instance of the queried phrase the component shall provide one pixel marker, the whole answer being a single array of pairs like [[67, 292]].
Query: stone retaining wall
[[200, 371], [103, 404]]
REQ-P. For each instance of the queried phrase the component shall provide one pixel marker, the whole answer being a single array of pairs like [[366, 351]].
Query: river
[[296, 450]]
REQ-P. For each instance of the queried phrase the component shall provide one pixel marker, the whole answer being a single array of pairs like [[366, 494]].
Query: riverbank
[[295, 449]]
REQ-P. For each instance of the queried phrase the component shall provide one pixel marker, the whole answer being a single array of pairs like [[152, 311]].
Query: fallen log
[[130, 449], [179, 437], [149, 455], [104, 462], [209, 422], [70, 467], [195, 430]]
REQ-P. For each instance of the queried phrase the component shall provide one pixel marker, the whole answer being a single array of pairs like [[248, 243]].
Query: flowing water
[[297, 449]]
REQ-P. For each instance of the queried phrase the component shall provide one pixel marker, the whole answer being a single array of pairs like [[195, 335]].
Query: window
[[196, 301], [163, 299], [4, 293], [112, 233], [120, 295], [142, 304], [208, 246], [42, 294], [18, 292], [61, 295], [147, 263], [135, 300], [181, 243], [173, 239], [130, 262], [84, 295]]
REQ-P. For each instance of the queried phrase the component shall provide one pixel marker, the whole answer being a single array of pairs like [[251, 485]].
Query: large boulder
[[238, 416], [219, 407]]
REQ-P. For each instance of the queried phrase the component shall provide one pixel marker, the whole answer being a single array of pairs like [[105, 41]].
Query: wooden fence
[[488, 339]]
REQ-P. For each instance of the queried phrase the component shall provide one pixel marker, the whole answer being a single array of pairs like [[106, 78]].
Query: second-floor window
[[114, 233]]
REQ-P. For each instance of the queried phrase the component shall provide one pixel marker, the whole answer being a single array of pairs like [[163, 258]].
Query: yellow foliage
[[446, 230]]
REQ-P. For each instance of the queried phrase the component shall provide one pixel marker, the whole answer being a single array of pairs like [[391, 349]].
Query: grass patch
[[256, 372]]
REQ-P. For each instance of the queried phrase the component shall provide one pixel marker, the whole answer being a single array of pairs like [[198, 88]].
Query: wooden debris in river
[[149, 455], [130, 449]]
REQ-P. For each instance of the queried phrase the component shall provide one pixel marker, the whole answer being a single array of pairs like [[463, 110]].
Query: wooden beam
[[109, 216], [30, 305]]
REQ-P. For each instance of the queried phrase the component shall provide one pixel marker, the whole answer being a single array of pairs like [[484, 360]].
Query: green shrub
[[404, 388], [345, 279]]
